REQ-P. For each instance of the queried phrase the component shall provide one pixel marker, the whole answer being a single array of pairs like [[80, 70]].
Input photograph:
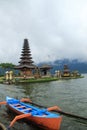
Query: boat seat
[[26, 109], [16, 104], [20, 106]]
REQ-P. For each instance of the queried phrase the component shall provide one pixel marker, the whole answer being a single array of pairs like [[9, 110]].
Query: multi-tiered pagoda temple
[[26, 65], [66, 71]]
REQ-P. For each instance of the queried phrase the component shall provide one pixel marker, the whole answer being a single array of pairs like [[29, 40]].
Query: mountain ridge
[[73, 65]]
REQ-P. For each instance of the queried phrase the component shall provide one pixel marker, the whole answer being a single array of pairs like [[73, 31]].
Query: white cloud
[[55, 29]]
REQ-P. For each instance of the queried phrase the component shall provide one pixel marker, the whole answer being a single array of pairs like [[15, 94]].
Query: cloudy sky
[[55, 29]]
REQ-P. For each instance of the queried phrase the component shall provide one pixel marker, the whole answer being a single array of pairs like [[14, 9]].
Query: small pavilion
[[45, 69]]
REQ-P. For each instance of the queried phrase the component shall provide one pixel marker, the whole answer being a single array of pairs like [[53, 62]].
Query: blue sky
[[55, 29]]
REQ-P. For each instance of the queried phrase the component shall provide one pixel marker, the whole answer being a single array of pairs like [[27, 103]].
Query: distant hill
[[72, 64]]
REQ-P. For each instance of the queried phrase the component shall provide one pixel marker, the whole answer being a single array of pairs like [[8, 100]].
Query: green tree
[[7, 65]]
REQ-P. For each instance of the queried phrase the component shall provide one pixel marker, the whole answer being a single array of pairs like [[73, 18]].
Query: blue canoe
[[41, 117]]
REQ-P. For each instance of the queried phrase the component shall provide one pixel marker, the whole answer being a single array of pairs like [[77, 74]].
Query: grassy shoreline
[[38, 80]]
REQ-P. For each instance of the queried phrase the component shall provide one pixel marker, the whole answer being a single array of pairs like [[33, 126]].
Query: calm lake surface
[[69, 95]]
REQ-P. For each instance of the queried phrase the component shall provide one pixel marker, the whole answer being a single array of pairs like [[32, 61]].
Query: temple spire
[[26, 65], [26, 58]]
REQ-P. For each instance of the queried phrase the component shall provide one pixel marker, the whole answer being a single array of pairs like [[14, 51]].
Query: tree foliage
[[7, 65]]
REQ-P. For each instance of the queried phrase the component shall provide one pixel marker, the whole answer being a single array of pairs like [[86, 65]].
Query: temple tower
[[26, 65]]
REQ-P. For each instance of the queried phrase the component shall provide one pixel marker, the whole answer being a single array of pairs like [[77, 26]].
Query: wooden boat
[[43, 118]]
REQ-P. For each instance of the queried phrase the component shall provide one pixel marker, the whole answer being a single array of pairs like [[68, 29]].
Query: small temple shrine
[[45, 69], [66, 71], [26, 65]]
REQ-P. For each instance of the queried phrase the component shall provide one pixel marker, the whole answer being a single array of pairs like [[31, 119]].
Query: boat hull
[[42, 122]]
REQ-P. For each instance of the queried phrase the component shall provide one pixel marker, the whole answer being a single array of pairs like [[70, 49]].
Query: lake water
[[69, 95]]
